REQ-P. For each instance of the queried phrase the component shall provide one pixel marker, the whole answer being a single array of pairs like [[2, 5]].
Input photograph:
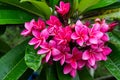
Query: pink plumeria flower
[[80, 34], [28, 28], [39, 37], [64, 52], [64, 8], [49, 49], [64, 35], [95, 34], [76, 56], [39, 25], [69, 70], [54, 24]]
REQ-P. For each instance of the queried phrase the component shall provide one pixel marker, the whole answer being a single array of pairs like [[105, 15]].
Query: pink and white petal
[[93, 40], [55, 52], [62, 61], [33, 41], [36, 33], [74, 64], [57, 57], [36, 45], [81, 64], [92, 61], [74, 36], [48, 55], [27, 25], [79, 23], [80, 42], [45, 45], [67, 69], [52, 43], [86, 55], [44, 33], [25, 32], [99, 34], [78, 29], [105, 37], [73, 73], [42, 51]]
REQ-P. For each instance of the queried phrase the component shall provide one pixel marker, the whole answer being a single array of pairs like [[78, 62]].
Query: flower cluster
[[75, 46]]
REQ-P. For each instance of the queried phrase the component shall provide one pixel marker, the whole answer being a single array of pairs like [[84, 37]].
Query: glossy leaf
[[24, 6], [4, 47], [84, 74], [32, 59], [41, 6], [112, 64], [110, 13], [84, 4], [12, 64], [13, 15], [60, 74], [102, 3]]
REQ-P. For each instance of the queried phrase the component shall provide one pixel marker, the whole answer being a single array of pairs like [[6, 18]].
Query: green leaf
[[102, 3], [32, 59], [113, 62], [60, 74], [4, 47], [13, 15], [41, 6], [84, 4], [24, 6], [12, 64], [84, 74], [110, 13]]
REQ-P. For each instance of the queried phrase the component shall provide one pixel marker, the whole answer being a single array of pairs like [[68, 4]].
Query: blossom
[[28, 28], [49, 49], [64, 35], [95, 34], [64, 8], [112, 26], [80, 34], [68, 69], [64, 52], [39, 37], [54, 25], [39, 25]]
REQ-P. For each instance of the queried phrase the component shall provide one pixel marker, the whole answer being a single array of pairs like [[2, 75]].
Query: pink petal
[[105, 37], [79, 23], [81, 64], [78, 29], [37, 45], [52, 43], [73, 73], [74, 36], [86, 55], [93, 40], [55, 52], [44, 33], [67, 69], [33, 41], [42, 51], [36, 33], [80, 42], [99, 34], [107, 50], [74, 64], [48, 56], [45, 45], [25, 32], [57, 57], [92, 61], [62, 61]]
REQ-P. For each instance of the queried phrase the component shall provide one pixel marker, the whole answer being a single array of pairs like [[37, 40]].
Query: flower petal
[[92, 61], [74, 36], [33, 41], [48, 56], [67, 69], [42, 51], [73, 73], [86, 55], [55, 52]]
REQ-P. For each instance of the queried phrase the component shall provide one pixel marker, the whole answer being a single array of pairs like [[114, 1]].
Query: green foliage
[[32, 59], [13, 64], [84, 4], [41, 6]]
